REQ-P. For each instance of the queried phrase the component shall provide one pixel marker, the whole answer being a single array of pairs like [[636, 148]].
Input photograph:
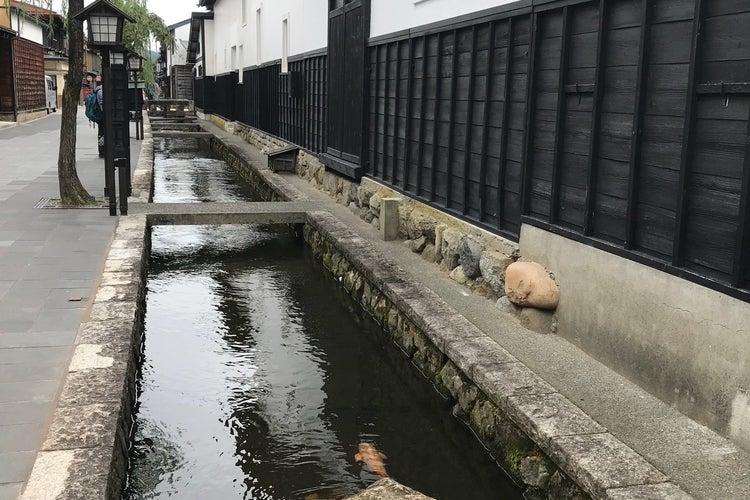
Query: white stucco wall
[[307, 22], [388, 16], [178, 55], [27, 27]]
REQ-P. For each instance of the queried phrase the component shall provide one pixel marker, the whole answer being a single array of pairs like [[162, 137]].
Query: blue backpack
[[93, 110]]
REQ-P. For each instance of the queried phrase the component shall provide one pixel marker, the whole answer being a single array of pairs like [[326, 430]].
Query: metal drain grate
[[47, 202]]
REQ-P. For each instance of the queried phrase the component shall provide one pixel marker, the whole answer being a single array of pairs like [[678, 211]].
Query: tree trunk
[[72, 192]]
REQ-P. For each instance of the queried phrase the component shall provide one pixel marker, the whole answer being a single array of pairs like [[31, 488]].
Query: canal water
[[260, 376]]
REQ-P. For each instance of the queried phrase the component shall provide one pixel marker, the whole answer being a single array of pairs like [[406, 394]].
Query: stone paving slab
[[599, 462]]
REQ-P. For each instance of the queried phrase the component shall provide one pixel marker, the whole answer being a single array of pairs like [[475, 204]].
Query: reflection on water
[[260, 378]]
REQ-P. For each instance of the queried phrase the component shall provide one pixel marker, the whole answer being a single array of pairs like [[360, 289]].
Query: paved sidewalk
[[50, 260]]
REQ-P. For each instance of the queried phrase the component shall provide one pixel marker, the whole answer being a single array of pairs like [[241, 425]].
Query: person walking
[[99, 91]]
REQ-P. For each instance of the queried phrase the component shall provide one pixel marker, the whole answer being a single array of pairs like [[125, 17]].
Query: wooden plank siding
[[623, 124], [612, 132]]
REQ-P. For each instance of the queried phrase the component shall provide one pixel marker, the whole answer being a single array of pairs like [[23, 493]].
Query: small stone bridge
[[264, 212]]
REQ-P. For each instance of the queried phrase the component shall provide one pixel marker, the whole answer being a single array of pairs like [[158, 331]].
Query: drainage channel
[[261, 377]]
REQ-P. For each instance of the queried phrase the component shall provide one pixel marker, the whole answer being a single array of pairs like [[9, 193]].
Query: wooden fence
[[623, 124]]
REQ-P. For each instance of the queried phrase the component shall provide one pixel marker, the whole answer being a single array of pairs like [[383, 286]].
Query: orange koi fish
[[372, 458]]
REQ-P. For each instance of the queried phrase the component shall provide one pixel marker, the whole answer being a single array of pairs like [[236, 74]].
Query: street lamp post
[[135, 66], [105, 22]]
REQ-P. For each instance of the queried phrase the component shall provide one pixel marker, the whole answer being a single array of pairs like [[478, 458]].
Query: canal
[[260, 376]]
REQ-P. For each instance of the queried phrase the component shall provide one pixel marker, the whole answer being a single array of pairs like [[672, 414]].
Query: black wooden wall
[[623, 124], [605, 121]]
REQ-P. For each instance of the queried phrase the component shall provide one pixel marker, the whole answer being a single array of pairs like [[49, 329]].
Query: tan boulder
[[527, 284]]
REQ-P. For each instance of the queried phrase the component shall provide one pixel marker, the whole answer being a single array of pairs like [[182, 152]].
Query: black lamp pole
[[109, 144], [105, 22]]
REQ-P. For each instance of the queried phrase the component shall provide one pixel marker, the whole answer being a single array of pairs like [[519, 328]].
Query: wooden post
[[486, 121], [554, 200], [678, 257], [469, 120], [601, 49], [635, 141], [530, 110]]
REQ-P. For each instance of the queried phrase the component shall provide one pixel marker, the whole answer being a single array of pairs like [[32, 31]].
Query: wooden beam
[[469, 119], [409, 102], [678, 249], [377, 156], [386, 91], [601, 49], [452, 118], [438, 70], [486, 121], [506, 126], [528, 135], [554, 198], [422, 99], [394, 162], [635, 141]]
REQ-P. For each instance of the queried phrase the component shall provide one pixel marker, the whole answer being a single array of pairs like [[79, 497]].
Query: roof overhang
[[196, 22]]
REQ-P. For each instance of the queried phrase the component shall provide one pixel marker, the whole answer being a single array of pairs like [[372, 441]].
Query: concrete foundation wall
[[687, 344]]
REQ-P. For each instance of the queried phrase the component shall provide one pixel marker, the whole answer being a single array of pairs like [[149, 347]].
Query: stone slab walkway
[[50, 261]]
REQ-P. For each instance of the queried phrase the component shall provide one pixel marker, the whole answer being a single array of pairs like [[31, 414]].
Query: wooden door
[[348, 25]]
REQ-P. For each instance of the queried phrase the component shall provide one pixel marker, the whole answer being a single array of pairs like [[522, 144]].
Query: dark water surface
[[261, 376]]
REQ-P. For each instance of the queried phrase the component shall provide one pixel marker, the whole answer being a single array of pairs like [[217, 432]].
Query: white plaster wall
[[388, 16], [27, 28], [307, 22], [178, 55]]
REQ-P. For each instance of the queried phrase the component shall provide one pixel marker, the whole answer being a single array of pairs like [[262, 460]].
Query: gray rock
[[428, 253], [535, 471], [354, 208], [375, 202], [369, 216], [470, 251], [505, 305], [375, 222], [459, 276], [416, 245], [449, 248], [364, 193], [538, 320], [350, 190], [388, 489], [492, 265], [418, 224]]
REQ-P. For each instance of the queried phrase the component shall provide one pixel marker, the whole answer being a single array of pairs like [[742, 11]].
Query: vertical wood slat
[[386, 91], [528, 136], [452, 118], [376, 107], [601, 48], [423, 96], [438, 70], [469, 120], [506, 126], [394, 163], [678, 256], [635, 142], [554, 201], [486, 121], [742, 245], [409, 102]]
